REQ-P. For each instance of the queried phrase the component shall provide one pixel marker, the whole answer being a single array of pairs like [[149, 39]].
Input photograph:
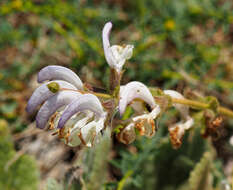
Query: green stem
[[188, 102], [201, 105], [184, 101], [225, 111]]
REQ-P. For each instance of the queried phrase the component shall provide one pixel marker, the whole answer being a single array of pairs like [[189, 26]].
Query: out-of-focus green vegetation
[[19, 174], [183, 44]]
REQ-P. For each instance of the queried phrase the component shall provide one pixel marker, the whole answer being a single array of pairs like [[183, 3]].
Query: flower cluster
[[78, 116]]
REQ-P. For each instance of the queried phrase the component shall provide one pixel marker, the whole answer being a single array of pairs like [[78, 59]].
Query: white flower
[[115, 55], [143, 121], [177, 130]]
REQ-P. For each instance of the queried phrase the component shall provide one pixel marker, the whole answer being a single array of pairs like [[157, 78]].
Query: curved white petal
[[184, 110], [42, 93], [62, 98], [106, 44], [82, 103], [54, 72], [134, 90]]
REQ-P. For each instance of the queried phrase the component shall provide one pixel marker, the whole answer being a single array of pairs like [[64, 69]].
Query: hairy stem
[[225, 111], [188, 102], [201, 105]]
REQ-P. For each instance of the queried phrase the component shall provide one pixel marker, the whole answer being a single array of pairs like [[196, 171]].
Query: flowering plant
[[79, 115]]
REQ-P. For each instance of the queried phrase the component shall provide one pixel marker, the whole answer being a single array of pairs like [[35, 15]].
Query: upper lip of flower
[[88, 128], [50, 106], [115, 55], [106, 44], [134, 90], [42, 93], [80, 104], [54, 72]]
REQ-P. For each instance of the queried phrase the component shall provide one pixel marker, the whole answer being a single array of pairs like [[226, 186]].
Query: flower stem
[[188, 102], [201, 105], [225, 111]]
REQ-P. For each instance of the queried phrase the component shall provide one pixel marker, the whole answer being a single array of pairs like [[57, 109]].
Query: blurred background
[[184, 45]]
